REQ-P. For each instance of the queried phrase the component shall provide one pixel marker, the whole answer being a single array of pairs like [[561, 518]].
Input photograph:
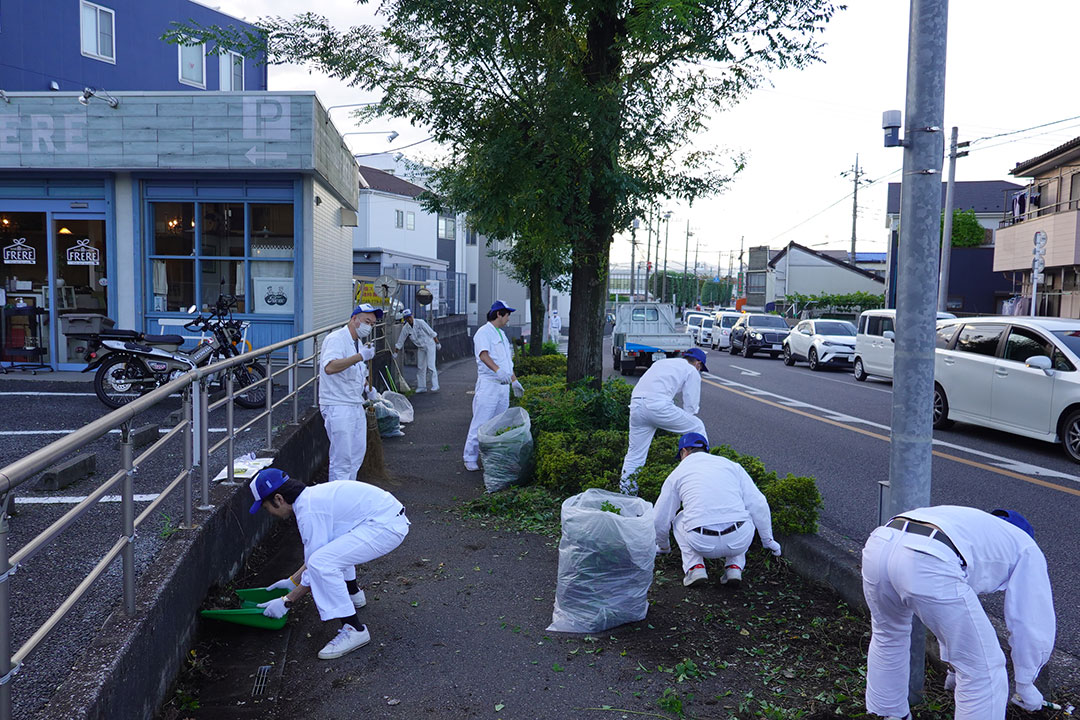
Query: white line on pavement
[[744, 371], [55, 394], [67, 500]]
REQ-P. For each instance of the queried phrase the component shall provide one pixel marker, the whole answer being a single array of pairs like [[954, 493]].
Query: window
[[980, 339], [1023, 344], [446, 228], [410, 220], [399, 218], [472, 292], [945, 334], [192, 64], [878, 325], [755, 282], [98, 30], [231, 71], [554, 301], [645, 314], [470, 236]]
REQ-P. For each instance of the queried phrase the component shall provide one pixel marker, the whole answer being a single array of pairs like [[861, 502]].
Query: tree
[[966, 230], [608, 92]]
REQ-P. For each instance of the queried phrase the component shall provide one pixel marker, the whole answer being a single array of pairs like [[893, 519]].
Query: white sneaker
[[732, 576], [471, 466], [420, 390], [434, 389], [695, 575], [358, 600], [347, 640]]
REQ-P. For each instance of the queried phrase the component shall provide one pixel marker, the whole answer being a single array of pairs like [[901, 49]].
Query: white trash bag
[[605, 562], [387, 418], [400, 403], [506, 448]]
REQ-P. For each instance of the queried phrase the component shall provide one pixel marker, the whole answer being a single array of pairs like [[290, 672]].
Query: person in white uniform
[[342, 525], [652, 408], [342, 389], [426, 341], [556, 326], [934, 562], [494, 372], [721, 509]]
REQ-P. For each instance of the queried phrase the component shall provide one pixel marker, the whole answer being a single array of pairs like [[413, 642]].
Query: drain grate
[[260, 680]]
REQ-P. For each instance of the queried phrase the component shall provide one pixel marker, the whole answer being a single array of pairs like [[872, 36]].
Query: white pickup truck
[[644, 332]]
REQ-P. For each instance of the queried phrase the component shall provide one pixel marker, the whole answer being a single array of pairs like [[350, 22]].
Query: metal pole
[[230, 424], [686, 265], [269, 404], [293, 384], [189, 447], [127, 510], [946, 233], [1034, 293], [315, 371], [633, 248], [5, 614], [854, 208], [204, 446], [648, 250], [667, 234], [920, 212]]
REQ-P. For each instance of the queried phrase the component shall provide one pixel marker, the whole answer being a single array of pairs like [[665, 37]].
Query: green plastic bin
[[251, 614]]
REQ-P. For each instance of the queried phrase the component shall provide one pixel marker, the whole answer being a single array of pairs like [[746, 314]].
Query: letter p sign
[[267, 118]]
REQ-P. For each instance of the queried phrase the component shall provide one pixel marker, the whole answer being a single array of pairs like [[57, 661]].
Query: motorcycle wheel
[[121, 379], [245, 376]]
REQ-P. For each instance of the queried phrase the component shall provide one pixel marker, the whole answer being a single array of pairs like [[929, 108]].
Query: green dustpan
[[250, 614]]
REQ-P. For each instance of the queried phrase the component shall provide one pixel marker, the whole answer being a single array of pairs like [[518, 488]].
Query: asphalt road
[[835, 429]]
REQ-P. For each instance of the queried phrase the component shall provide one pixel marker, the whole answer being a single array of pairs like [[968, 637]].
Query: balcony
[[1015, 238]]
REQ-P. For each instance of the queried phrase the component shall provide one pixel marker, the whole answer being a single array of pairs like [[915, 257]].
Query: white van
[[874, 343], [723, 321]]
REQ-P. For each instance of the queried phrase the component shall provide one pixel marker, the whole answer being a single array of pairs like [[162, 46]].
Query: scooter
[[129, 367]]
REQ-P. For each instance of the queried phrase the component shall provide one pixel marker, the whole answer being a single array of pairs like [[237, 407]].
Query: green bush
[[548, 348], [578, 407], [794, 502], [525, 365], [569, 462]]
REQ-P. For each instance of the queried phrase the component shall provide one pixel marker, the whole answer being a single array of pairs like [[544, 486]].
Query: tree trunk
[[536, 310]]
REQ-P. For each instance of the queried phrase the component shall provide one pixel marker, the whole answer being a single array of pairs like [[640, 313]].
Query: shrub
[[548, 348], [794, 502], [752, 465], [578, 407], [525, 365], [569, 462]]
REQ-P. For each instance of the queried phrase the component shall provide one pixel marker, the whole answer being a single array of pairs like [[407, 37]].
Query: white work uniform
[[491, 398], [556, 326], [424, 338], [341, 398], [344, 525], [717, 495], [652, 407], [905, 574]]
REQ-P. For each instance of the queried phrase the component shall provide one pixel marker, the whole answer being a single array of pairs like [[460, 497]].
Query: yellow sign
[[365, 293]]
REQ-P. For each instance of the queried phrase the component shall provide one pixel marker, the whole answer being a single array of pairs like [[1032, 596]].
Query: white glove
[[518, 389], [393, 354], [371, 394], [286, 584], [438, 346], [950, 680], [367, 352], [772, 546], [503, 376], [663, 550], [274, 608], [1028, 697]]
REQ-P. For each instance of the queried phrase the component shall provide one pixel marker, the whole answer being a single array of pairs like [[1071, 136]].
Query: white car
[[820, 343], [723, 321], [694, 324], [874, 343], [1017, 374]]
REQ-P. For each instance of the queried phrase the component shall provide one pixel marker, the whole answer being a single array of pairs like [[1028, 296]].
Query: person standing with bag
[[426, 341], [343, 387], [494, 371]]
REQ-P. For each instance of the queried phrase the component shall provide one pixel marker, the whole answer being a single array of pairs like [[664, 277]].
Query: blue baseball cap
[[367, 307], [406, 313], [1016, 519], [697, 354], [263, 485], [692, 440], [500, 305]]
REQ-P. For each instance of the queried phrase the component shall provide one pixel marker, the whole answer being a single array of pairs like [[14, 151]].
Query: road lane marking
[[745, 371], [1002, 465], [69, 500]]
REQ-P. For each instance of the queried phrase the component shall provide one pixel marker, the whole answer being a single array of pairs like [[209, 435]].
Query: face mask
[[363, 330]]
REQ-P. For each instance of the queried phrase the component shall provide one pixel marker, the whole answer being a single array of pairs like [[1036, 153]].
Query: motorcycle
[[129, 367]]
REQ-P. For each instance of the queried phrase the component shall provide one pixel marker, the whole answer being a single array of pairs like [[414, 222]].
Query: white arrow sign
[[254, 155], [744, 371]]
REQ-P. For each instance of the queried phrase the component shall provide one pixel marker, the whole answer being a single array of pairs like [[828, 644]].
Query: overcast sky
[[1009, 68]]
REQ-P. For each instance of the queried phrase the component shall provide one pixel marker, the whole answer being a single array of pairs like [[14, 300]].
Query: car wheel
[[1070, 435], [746, 351], [858, 371], [731, 348], [941, 409], [789, 359], [812, 360]]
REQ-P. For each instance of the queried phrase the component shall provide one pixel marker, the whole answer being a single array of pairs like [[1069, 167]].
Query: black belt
[[918, 528], [717, 533]]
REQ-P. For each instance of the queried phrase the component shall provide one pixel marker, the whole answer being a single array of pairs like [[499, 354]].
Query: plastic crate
[[84, 323]]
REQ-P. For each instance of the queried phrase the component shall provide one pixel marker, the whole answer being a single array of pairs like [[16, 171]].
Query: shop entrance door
[[79, 292], [24, 288]]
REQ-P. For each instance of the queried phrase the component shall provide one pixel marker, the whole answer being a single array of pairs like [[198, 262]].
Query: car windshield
[[835, 328], [707, 322], [1070, 339], [694, 320], [728, 320], [769, 321]]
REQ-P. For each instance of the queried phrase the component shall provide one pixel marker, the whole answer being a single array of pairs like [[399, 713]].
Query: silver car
[[821, 343]]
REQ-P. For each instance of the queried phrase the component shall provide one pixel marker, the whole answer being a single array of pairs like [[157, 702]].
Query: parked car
[[874, 343], [723, 321], [1017, 374], [645, 332], [820, 343], [758, 332], [693, 326]]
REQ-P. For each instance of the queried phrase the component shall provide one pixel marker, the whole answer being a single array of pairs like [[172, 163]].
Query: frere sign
[[38, 133]]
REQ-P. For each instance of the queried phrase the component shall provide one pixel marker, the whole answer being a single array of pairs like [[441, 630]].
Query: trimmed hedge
[[525, 365], [578, 407]]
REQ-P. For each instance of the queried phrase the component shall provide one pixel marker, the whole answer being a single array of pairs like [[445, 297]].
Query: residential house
[[800, 270]]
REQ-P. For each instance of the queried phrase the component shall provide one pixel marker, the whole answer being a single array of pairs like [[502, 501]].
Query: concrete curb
[[131, 664], [70, 471]]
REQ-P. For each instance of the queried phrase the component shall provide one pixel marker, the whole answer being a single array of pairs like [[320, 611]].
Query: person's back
[[340, 507], [665, 378]]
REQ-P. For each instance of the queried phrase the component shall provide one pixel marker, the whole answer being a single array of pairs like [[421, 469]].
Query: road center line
[[845, 425]]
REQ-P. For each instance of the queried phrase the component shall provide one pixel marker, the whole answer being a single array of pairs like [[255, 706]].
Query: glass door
[[24, 289], [79, 291]]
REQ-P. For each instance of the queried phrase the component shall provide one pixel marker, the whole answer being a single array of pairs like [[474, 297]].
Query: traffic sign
[[1040, 239], [1038, 277], [1038, 264]]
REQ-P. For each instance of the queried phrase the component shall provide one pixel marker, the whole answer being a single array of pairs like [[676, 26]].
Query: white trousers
[[425, 362], [334, 563], [695, 547], [490, 399], [346, 426], [555, 335], [900, 579], [647, 415]]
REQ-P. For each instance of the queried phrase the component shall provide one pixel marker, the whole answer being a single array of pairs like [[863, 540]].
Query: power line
[[830, 207], [394, 150], [1017, 132]]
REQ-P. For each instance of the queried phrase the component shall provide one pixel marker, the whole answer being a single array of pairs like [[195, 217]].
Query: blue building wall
[[40, 43], [973, 281]]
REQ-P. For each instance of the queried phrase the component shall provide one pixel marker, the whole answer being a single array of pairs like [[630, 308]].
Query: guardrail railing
[[193, 429]]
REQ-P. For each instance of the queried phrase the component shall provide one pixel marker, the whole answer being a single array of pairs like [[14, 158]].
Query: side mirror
[[1040, 362], [191, 310], [889, 335]]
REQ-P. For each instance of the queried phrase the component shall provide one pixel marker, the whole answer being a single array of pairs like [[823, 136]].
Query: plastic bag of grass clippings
[[606, 559], [388, 419], [506, 447]]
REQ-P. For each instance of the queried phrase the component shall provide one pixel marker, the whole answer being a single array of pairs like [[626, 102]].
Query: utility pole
[[633, 247], [667, 234], [686, 265], [910, 449], [740, 282], [697, 286], [648, 248], [946, 234], [857, 172]]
